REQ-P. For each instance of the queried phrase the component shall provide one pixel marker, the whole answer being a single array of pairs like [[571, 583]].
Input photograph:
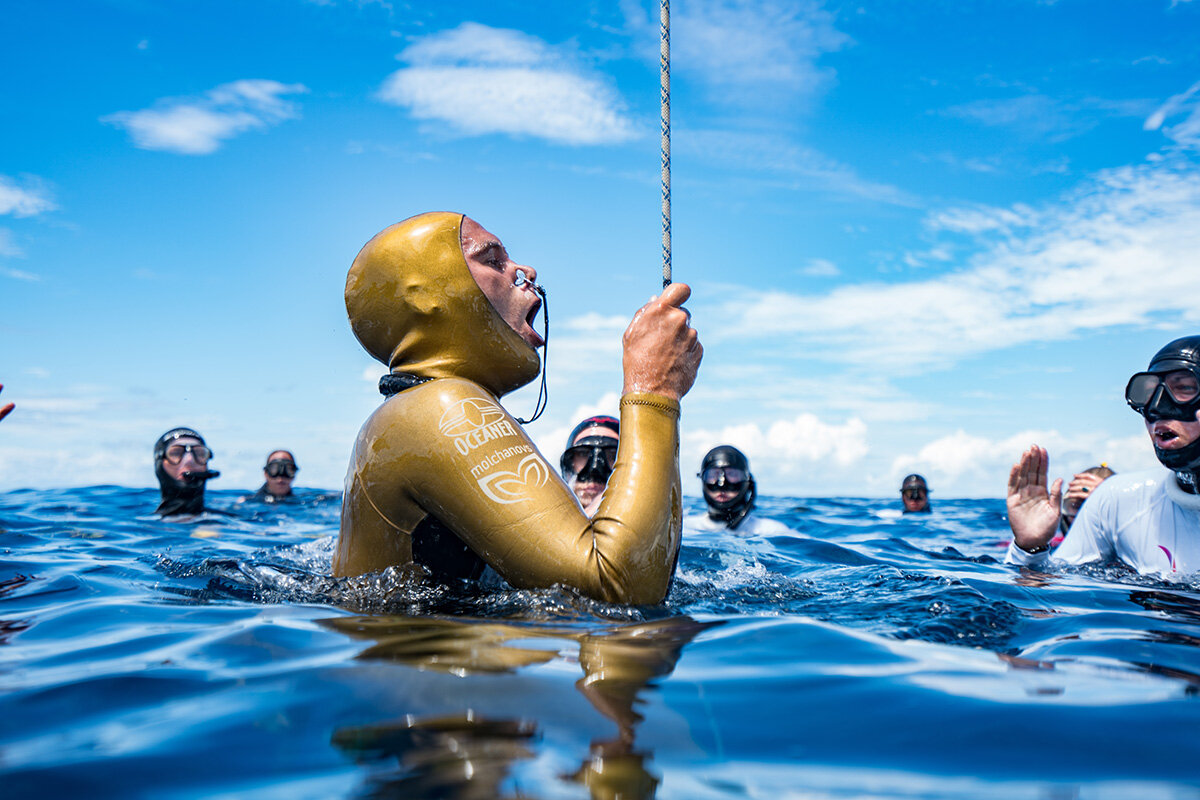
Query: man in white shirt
[[1148, 520], [730, 493]]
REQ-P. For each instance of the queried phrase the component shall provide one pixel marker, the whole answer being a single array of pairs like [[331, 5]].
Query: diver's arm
[[479, 473]]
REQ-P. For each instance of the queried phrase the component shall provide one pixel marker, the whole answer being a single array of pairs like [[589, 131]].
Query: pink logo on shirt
[[1170, 557]]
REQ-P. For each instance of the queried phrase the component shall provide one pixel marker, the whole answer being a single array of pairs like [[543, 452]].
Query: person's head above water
[[1167, 395], [914, 493], [728, 485], [279, 473], [588, 459], [437, 296], [1078, 490], [181, 465]]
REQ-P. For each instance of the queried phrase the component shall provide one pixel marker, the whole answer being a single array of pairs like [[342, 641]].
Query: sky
[[920, 236]]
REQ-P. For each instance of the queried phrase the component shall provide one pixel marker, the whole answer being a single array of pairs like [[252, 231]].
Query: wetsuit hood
[[178, 497], [733, 511], [414, 305]]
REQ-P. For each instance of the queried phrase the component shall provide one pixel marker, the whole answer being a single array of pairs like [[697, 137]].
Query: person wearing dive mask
[[729, 492], [444, 478], [914, 494], [181, 465], [1148, 520], [588, 461], [278, 475]]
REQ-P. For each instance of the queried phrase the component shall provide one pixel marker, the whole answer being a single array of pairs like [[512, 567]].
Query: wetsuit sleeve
[[478, 472]]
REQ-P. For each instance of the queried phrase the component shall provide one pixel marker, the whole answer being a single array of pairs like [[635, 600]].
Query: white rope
[[664, 77]]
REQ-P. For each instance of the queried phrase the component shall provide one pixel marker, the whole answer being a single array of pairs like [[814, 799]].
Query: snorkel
[[184, 495]]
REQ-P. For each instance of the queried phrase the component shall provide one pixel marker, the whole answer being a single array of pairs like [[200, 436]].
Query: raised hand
[[1033, 512], [662, 351]]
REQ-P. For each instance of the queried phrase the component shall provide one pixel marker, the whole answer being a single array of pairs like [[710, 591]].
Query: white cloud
[[785, 447], [789, 164], [960, 464], [820, 268], [9, 246], [20, 275], [24, 200], [1187, 131], [483, 80], [1119, 250], [198, 125]]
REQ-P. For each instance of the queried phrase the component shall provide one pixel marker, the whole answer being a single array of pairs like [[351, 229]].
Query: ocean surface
[[868, 655]]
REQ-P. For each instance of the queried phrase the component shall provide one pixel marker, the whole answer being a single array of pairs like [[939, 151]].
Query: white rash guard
[[752, 525], [1141, 518]]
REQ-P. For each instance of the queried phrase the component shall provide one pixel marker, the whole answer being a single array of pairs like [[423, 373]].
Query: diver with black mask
[[1148, 520], [181, 465], [730, 492], [588, 460]]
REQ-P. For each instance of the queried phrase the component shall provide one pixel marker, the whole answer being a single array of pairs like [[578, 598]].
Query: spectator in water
[[1078, 491], [278, 475], [914, 493], [181, 465], [588, 460], [1147, 520], [730, 493]]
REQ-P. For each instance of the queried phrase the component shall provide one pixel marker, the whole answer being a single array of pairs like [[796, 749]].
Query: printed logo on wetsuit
[[473, 422], [511, 487]]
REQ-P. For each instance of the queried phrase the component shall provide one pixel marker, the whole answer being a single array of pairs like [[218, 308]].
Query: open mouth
[[529, 320], [1164, 437]]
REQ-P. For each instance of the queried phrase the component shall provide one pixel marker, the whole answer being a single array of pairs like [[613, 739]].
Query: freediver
[[181, 465], [1078, 490], [914, 494], [443, 476], [278, 474], [587, 462], [730, 493], [1149, 520]]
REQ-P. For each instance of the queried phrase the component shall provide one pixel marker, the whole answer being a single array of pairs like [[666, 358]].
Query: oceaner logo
[[473, 422], [510, 487]]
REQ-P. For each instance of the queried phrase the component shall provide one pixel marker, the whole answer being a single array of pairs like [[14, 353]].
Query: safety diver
[[587, 462], [730, 493], [278, 475], [181, 465], [914, 494], [1149, 520], [443, 476]]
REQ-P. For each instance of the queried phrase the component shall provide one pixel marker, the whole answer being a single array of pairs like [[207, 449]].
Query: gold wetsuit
[[443, 476]]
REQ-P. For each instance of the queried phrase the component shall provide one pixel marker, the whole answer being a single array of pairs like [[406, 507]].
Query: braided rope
[[664, 77]]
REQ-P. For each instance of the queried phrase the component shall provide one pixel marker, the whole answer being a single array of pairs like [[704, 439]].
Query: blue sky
[[920, 235]]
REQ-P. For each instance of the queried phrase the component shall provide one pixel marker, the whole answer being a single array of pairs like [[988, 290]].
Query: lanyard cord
[[543, 394]]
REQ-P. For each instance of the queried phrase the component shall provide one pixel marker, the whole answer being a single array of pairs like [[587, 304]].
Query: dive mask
[[1165, 395]]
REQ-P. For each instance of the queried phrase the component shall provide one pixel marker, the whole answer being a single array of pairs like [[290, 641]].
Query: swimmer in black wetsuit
[[181, 466], [588, 460], [279, 473]]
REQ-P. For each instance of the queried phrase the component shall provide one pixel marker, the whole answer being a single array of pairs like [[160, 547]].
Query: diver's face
[[496, 275], [586, 489], [279, 485], [915, 498], [187, 462]]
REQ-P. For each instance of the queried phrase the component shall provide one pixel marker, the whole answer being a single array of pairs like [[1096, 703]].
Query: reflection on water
[[869, 654], [619, 664]]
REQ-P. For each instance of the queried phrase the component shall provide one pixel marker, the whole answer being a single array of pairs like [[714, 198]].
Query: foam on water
[[868, 655]]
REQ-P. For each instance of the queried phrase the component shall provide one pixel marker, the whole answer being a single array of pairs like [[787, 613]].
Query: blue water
[[869, 655]]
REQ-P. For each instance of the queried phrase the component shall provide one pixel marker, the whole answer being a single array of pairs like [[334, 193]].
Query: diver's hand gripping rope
[[664, 79]]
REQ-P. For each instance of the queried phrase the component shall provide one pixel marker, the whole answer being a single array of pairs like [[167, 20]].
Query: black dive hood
[[733, 511], [1182, 353], [185, 496]]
